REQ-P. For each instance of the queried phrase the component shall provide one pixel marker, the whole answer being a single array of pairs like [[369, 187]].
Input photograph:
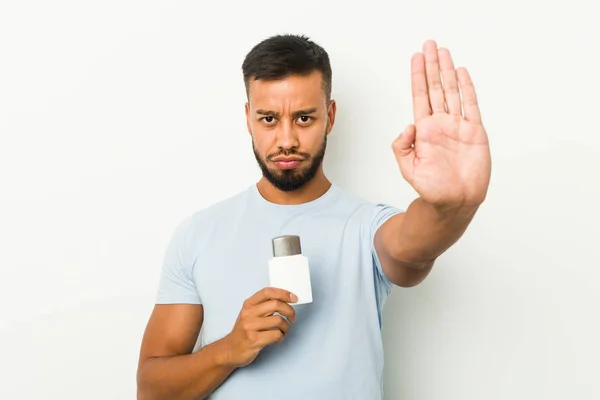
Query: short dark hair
[[280, 56]]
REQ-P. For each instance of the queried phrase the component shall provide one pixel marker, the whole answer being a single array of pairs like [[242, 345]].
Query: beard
[[292, 179]]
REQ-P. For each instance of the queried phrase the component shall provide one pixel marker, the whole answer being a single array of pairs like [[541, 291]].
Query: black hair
[[280, 56]]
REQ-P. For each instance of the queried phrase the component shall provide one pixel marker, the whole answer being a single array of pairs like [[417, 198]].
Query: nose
[[287, 137]]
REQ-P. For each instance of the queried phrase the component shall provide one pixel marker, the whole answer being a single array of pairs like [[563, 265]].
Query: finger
[[434, 83], [403, 145], [420, 94], [405, 153], [275, 306], [268, 337], [272, 322], [270, 293], [450, 82], [469, 97]]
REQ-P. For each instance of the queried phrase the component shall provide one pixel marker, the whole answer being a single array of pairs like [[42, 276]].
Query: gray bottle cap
[[288, 245]]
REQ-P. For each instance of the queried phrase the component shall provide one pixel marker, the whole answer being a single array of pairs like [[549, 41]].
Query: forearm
[[185, 377], [427, 231]]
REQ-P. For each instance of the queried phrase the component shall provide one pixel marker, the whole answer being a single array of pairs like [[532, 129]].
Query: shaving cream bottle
[[289, 269]]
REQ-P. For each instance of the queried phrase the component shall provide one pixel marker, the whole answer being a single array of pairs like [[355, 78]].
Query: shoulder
[[196, 227], [372, 214], [349, 202], [219, 209]]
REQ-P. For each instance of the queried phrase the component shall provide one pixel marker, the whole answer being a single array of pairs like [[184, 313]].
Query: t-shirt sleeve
[[381, 213], [176, 283]]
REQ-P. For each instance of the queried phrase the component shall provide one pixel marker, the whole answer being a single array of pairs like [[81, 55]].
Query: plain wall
[[120, 118]]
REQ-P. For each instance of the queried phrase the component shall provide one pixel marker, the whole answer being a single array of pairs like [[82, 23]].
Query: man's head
[[289, 111]]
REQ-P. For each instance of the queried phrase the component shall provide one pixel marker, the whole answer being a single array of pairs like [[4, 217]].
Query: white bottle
[[289, 269]]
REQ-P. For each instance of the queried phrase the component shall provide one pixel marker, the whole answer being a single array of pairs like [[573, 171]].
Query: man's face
[[289, 121]]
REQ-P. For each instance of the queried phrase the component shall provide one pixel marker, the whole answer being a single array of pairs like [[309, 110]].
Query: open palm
[[445, 154]]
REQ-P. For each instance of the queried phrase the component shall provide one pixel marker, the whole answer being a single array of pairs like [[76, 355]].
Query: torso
[[334, 349]]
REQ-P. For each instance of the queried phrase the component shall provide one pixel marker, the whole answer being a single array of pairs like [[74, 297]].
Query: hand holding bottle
[[257, 327]]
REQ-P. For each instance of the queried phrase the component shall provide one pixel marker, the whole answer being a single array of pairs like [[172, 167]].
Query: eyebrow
[[295, 113]]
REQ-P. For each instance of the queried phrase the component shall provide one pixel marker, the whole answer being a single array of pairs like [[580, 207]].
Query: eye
[[305, 119], [269, 120]]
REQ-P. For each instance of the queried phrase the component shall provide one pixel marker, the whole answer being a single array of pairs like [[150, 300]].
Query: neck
[[314, 189]]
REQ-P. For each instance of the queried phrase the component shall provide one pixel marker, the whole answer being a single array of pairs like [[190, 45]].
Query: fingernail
[[293, 297]]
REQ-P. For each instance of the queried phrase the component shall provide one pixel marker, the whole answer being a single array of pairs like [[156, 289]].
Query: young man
[[256, 344]]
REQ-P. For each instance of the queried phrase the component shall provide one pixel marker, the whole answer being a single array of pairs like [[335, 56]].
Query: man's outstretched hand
[[444, 155]]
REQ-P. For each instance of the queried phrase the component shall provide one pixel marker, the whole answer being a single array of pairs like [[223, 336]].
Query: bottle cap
[[288, 245]]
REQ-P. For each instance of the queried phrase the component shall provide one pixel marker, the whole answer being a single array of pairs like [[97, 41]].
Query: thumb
[[403, 145], [405, 152]]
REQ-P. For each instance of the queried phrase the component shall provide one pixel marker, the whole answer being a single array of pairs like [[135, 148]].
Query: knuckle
[[245, 326], [451, 87], [277, 293], [436, 84], [279, 336], [252, 336], [291, 310], [470, 101]]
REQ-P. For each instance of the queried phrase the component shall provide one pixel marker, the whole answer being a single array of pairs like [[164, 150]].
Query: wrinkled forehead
[[297, 91]]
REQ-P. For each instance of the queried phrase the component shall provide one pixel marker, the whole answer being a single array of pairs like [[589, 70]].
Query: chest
[[234, 266]]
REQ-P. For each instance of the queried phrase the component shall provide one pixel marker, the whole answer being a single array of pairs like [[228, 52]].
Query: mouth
[[287, 162]]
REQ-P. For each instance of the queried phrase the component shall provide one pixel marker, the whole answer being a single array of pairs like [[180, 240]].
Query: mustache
[[287, 153]]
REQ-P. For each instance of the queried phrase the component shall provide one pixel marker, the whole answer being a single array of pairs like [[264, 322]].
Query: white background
[[120, 118]]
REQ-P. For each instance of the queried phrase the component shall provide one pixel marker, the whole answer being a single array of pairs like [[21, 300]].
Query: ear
[[247, 110], [331, 115]]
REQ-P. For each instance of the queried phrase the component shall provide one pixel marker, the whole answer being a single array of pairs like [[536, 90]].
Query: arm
[[445, 157], [169, 370], [167, 367], [409, 243]]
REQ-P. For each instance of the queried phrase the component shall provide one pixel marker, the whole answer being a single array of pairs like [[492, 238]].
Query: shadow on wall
[[346, 161], [334, 163]]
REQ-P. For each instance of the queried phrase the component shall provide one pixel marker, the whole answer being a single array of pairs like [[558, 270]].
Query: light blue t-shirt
[[219, 256]]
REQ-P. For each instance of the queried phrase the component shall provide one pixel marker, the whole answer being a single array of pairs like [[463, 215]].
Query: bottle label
[[292, 273]]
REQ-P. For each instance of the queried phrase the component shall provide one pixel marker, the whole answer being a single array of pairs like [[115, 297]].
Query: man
[[256, 344]]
